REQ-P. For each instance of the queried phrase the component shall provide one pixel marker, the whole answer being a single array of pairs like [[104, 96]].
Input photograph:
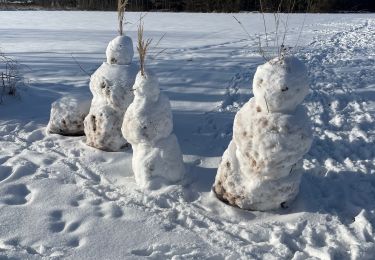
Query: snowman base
[[67, 116], [158, 164], [238, 202], [254, 193], [103, 129]]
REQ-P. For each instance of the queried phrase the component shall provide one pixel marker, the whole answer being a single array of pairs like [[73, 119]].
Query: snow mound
[[112, 89], [261, 168], [120, 50], [148, 126], [67, 115]]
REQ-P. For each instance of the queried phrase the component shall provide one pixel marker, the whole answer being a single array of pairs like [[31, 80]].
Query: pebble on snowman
[[262, 166]]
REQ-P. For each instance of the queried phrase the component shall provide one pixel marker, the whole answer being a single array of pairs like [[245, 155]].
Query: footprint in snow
[[100, 209], [57, 223], [5, 172], [163, 251], [24, 168], [17, 194], [76, 202], [108, 210]]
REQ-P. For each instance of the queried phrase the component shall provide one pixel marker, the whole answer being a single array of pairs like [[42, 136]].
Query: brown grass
[[142, 47]]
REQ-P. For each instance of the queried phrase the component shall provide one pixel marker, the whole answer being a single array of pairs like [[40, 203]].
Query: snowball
[[148, 125], [120, 51], [103, 128], [67, 115], [262, 166], [253, 193], [280, 84]]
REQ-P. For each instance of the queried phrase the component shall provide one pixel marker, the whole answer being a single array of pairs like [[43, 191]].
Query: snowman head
[[120, 51], [146, 86], [280, 84]]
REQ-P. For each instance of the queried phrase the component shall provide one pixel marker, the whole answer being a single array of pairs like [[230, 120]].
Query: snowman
[[148, 127], [111, 87], [262, 166]]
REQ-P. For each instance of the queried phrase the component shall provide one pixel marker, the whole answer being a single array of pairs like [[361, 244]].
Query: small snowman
[[262, 166], [148, 127], [111, 87]]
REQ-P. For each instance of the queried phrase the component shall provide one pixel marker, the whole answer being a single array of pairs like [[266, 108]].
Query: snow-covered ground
[[60, 199]]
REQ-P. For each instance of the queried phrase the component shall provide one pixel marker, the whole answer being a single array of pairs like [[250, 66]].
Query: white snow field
[[60, 199]]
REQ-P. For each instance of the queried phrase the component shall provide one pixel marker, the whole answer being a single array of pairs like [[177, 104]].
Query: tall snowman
[[262, 166], [111, 86], [148, 127]]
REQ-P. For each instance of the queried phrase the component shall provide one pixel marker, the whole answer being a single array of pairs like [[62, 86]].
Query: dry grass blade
[[264, 21], [121, 7], [291, 5], [142, 47], [79, 65], [261, 51], [308, 9], [242, 26], [156, 54]]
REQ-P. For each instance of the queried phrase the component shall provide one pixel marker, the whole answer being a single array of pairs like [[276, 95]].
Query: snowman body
[[148, 127], [111, 86], [262, 166]]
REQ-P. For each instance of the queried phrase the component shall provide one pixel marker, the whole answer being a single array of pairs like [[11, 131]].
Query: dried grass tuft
[[142, 47], [10, 77], [274, 44]]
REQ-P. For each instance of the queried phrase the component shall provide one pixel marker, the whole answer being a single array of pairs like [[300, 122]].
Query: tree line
[[213, 5]]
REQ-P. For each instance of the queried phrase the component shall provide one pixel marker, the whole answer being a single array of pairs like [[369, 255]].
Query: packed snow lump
[[262, 166], [68, 114], [148, 127], [111, 86]]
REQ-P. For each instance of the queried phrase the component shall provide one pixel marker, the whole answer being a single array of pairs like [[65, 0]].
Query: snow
[[60, 198], [148, 126], [68, 114]]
